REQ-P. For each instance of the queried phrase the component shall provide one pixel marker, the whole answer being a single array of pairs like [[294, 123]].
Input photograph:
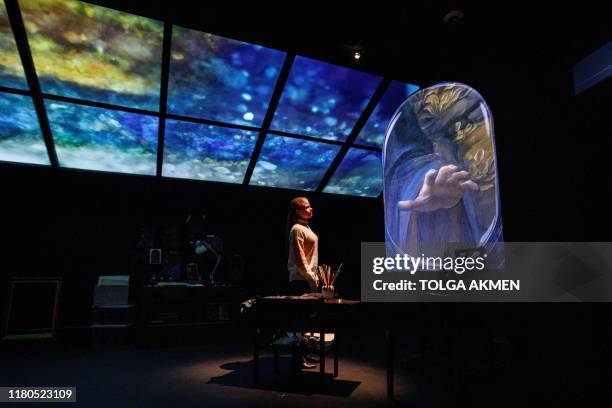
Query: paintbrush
[[323, 274], [336, 274]]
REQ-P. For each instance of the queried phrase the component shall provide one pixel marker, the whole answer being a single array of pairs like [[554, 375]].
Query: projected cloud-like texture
[[11, 70], [101, 81], [373, 133], [323, 100], [293, 163], [95, 53], [103, 139], [359, 174], [206, 152], [20, 137], [220, 79]]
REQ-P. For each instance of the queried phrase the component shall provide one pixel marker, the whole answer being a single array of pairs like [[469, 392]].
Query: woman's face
[[304, 211]]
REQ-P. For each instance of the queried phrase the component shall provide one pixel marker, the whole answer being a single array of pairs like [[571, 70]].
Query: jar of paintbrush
[[328, 292], [328, 278]]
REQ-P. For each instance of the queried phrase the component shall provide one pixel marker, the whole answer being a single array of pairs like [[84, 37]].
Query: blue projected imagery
[[373, 132], [220, 79], [206, 152], [360, 173], [103, 139], [293, 163], [100, 76], [20, 137], [323, 100]]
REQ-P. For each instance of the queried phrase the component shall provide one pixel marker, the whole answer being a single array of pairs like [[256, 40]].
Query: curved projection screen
[[440, 172]]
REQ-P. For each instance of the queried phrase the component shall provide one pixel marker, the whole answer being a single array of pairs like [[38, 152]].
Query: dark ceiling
[[407, 40]]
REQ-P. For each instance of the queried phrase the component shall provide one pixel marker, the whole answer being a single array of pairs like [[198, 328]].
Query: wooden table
[[292, 313]]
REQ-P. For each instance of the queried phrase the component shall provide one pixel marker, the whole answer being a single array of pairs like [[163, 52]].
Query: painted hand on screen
[[441, 189]]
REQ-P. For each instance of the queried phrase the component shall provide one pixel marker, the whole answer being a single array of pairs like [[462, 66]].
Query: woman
[[303, 256], [303, 259]]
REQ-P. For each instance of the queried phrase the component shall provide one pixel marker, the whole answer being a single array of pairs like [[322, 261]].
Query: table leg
[[335, 354], [256, 356], [322, 353], [390, 346]]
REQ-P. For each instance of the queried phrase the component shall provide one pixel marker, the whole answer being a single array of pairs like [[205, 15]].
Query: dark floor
[[494, 372]]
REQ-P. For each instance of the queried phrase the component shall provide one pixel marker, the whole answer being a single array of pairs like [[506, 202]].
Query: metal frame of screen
[[39, 97]]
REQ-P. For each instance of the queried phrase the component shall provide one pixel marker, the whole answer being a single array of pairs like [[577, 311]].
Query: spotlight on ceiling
[[357, 55]]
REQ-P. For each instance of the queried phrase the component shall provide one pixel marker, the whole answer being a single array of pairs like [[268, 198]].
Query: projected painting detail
[[360, 173], [11, 70], [20, 138], [323, 100], [221, 79], [206, 152], [101, 139], [440, 182], [373, 132], [292, 163], [94, 53]]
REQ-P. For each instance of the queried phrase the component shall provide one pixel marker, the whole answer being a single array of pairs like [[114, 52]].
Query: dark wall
[[552, 149], [552, 145], [83, 224], [79, 225]]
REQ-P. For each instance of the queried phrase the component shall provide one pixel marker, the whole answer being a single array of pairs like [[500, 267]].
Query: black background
[[552, 146]]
